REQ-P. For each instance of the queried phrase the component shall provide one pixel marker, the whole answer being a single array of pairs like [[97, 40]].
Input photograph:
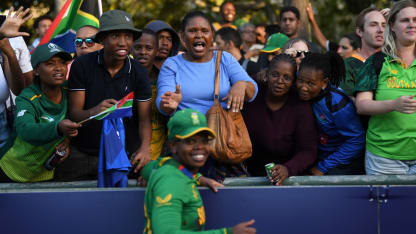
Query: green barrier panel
[[245, 181], [327, 180]]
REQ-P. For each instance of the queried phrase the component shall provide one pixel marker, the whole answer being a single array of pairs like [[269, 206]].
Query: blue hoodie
[[341, 135]]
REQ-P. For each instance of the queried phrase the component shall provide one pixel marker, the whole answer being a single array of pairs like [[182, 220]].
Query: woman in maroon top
[[281, 126]]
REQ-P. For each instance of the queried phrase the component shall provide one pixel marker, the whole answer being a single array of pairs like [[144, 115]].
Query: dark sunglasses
[[88, 41], [300, 52]]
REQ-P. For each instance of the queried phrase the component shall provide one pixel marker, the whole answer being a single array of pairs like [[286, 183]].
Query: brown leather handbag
[[232, 144]]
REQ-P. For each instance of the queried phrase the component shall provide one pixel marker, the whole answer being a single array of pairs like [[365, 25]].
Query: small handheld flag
[[122, 108]]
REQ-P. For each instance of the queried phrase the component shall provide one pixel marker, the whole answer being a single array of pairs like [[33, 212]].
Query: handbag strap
[[217, 75]]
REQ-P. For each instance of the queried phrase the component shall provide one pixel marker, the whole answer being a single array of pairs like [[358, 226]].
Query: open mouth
[[198, 157], [122, 52], [199, 46], [58, 76]]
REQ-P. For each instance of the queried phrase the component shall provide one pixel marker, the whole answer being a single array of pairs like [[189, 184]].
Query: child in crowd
[[41, 128], [341, 136], [144, 50]]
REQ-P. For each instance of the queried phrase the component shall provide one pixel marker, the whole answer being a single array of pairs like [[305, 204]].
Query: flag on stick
[[122, 108], [73, 15]]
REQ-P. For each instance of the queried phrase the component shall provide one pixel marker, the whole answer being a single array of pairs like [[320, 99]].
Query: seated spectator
[[172, 201], [227, 13], [281, 126], [229, 40], [385, 90], [341, 136], [84, 40], [41, 127], [187, 80], [297, 48], [144, 50], [168, 39]]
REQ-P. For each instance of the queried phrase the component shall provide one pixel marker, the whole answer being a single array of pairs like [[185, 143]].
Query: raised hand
[[11, 25]]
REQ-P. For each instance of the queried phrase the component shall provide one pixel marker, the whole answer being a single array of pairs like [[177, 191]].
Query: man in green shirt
[[370, 24], [172, 201]]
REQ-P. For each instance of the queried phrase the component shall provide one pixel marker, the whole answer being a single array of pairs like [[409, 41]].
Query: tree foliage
[[335, 17]]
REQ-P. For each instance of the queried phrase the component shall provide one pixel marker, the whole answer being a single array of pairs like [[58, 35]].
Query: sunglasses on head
[[300, 52], [88, 41]]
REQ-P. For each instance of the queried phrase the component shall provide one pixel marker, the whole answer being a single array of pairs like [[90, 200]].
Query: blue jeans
[[377, 165], [4, 129]]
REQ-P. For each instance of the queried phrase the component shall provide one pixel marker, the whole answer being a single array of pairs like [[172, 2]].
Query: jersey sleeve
[[29, 129], [367, 78], [166, 80], [349, 127]]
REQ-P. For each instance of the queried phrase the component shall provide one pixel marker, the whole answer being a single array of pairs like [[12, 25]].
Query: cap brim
[[269, 50], [62, 54], [198, 130], [136, 32]]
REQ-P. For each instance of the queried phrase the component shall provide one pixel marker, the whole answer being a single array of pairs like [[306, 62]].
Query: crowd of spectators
[[310, 108]]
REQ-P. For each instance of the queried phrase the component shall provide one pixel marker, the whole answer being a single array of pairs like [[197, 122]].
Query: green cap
[[186, 123], [116, 20], [275, 43], [46, 51]]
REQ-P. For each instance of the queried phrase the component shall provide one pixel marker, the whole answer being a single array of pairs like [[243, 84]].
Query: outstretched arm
[[320, 37]]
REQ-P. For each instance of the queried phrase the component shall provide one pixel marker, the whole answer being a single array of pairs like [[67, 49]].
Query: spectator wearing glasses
[[297, 48], [249, 48], [84, 42]]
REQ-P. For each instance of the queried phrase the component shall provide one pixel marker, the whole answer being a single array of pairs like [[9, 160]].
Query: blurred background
[[335, 17]]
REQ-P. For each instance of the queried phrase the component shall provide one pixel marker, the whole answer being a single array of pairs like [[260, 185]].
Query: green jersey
[[353, 66], [34, 137], [172, 201], [391, 135]]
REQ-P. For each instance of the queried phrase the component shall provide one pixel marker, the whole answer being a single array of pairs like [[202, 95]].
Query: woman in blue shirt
[[187, 80]]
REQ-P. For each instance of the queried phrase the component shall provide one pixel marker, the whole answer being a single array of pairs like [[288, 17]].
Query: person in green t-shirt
[[41, 127], [172, 201], [385, 90]]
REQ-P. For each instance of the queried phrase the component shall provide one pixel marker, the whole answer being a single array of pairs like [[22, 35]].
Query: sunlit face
[[117, 44], [404, 26], [228, 12], [289, 24], [301, 48], [85, 48], [198, 39], [144, 50], [193, 151], [280, 78], [373, 33], [261, 34], [53, 71], [309, 83], [165, 44], [345, 49]]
